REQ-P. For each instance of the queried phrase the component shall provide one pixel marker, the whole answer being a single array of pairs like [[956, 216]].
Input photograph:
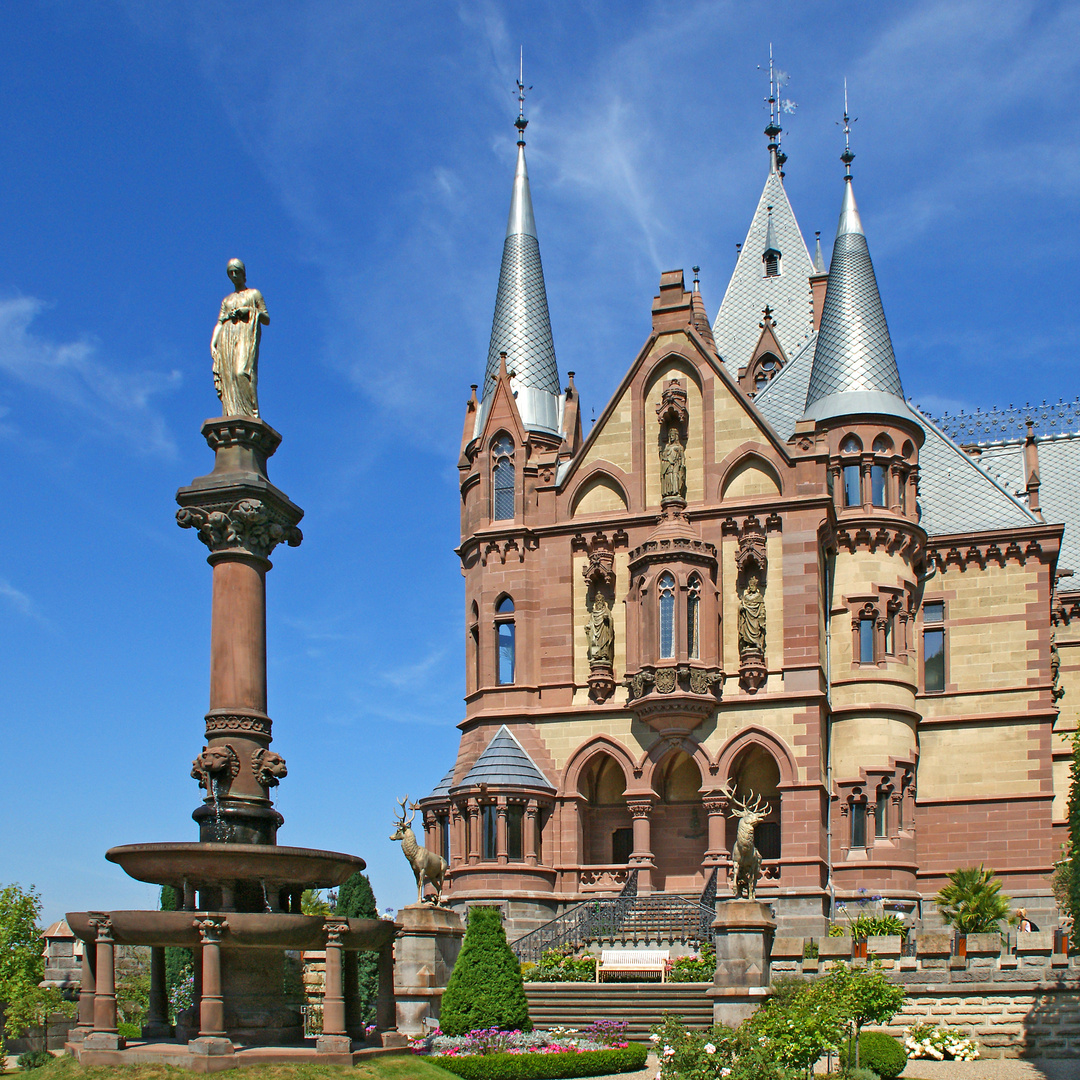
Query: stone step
[[641, 1004]]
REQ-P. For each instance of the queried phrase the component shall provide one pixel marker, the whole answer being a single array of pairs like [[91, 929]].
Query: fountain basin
[[242, 929]]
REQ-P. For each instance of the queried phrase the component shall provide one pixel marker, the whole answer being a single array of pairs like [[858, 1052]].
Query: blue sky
[[359, 158]]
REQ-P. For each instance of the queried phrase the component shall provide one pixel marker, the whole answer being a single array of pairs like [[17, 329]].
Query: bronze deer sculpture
[[426, 865], [745, 858]]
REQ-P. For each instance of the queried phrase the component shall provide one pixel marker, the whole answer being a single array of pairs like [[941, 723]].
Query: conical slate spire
[[521, 327], [854, 367], [819, 259]]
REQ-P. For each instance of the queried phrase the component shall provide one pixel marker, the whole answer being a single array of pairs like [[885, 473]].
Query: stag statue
[[745, 858], [426, 865]]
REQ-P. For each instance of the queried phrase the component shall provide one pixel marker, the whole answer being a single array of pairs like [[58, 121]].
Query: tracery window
[[502, 479], [667, 616], [504, 624], [693, 618]]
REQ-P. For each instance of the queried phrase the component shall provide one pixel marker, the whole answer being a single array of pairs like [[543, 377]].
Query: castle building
[[763, 577]]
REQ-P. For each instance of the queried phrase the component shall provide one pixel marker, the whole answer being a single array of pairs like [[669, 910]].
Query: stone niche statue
[[672, 466], [235, 345], [752, 617], [601, 631]]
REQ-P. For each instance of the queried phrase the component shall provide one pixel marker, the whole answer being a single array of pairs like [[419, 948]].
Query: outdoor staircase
[[642, 1005], [626, 920]]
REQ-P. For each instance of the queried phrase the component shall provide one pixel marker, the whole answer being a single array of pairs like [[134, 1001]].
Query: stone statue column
[[212, 1005], [241, 517], [104, 1036], [334, 1038], [641, 858], [474, 832], [86, 994]]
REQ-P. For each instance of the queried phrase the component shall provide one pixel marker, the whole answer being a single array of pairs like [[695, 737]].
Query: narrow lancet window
[[504, 611], [693, 619], [667, 617], [502, 479]]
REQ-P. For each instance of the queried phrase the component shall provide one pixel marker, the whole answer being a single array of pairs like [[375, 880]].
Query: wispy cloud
[[415, 675], [72, 374], [21, 602]]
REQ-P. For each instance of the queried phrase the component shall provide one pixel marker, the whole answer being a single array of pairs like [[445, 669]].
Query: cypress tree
[[485, 988], [356, 900]]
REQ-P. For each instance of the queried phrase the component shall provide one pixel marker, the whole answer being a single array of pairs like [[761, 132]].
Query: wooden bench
[[633, 961]]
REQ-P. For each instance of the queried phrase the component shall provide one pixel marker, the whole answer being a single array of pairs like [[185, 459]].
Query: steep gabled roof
[[505, 762], [749, 290], [783, 398]]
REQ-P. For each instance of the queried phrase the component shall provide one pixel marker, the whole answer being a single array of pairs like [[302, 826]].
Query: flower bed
[[491, 1054], [938, 1044]]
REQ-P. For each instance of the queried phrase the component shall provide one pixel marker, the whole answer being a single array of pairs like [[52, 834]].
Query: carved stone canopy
[[673, 410], [600, 569]]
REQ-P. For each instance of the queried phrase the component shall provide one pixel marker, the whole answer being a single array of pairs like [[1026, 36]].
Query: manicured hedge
[[545, 1066], [880, 1052]]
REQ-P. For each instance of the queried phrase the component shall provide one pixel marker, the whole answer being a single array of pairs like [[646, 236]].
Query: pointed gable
[[750, 289], [504, 762]]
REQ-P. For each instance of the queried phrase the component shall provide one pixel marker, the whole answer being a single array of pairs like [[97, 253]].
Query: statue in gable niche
[[234, 345], [672, 467], [752, 617], [601, 632]]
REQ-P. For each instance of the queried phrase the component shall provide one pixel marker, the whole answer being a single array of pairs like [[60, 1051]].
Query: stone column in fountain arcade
[[241, 517]]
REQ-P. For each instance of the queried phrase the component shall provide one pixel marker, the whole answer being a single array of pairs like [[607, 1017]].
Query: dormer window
[[772, 264]]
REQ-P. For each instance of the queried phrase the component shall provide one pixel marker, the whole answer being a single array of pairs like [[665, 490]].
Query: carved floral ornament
[[247, 525]]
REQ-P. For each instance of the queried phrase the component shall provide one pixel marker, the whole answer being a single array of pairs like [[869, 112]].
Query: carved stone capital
[[639, 808], [249, 525], [211, 928], [102, 924], [716, 804], [335, 929], [228, 431]]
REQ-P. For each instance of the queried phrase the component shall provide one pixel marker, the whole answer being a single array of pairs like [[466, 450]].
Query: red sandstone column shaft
[[532, 832], [104, 977], [238, 633], [717, 827], [212, 1005], [642, 855], [385, 1009], [334, 995], [157, 1013], [500, 832], [87, 988]]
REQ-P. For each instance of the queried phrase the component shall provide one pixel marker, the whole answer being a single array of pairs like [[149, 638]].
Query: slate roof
[[521, 326], [1000, 432], [442, 788], [854, 353], [736, 328], [955, 494], [505, 761]]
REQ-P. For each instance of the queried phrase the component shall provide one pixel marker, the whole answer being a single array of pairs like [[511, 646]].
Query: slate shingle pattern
[[736, 328], [505, 761]]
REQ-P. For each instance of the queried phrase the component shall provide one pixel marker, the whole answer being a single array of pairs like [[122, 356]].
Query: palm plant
[[973, 901]]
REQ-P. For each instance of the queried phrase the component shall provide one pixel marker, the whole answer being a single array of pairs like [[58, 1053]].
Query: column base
[[210, 1045], [333, 1044], [103, 1040], [392, 1040], [156, 1031]]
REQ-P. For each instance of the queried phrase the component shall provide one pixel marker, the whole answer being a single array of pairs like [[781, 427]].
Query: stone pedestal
[[743, 931], [424, 956]]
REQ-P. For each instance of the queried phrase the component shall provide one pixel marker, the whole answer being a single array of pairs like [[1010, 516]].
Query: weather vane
[[777, 81], [521, 123], [847, 157]]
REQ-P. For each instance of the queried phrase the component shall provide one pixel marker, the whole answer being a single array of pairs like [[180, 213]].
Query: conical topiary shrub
[[485, 988]]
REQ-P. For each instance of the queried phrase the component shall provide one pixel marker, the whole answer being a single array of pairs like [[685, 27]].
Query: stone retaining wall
[[1015, 1000]]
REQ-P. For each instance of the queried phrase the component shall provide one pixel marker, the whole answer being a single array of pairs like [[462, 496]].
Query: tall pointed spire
[[854, 368], [521, 327]]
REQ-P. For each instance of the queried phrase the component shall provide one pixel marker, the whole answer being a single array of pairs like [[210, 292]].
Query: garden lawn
[[399, 1067]]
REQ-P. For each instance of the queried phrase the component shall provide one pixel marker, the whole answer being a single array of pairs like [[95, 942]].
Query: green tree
[[862, 995], [485, 988], [22, 964], [796, 1025], [312, 902], [356, 900], [973, 901]]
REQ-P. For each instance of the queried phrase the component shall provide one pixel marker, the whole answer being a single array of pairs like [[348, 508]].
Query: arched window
[[474, 644], [667, 616], [693, 618], [852, 473], [858, 823], [504, 624], [877, 485], [768, 366], [502, 479]]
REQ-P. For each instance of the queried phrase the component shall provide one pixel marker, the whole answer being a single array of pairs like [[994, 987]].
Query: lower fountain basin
[[241, 929], [214, 865]]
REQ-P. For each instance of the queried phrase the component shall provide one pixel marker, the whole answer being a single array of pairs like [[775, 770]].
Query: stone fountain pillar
[[241, 517]]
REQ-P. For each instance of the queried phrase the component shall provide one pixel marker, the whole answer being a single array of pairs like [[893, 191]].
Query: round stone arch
[[650, 763], [583, 755], [749, 736], [747, 456]]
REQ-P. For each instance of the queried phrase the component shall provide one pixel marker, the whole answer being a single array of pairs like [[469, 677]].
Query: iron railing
[[656, 917]]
